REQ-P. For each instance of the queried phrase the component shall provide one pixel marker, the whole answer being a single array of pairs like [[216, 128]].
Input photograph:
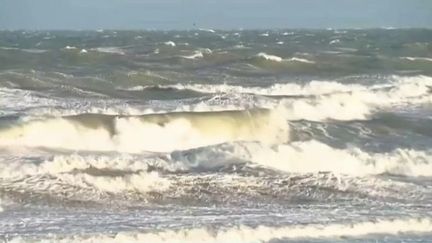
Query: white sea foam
[[206, 50], [35, 51], [329, 99], [17, 99], [417, 59], [17, 166], [240, 46], [207, 30], [322, 99], [296, 157], [142, 182], [71, 171], [335, 41], [8, 48], [243, 234], [170, 43], [197, 54], [313, 156], [287, 89], [303, 60], [36, 105], [360, 104], [287, 33], [270, 57], [111, 50], [136, 134], [275, 58]]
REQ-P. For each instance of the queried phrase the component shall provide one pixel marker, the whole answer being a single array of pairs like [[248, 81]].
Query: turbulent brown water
[[216, 136]]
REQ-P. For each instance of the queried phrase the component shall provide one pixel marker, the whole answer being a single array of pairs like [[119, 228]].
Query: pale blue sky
[[218, 14]]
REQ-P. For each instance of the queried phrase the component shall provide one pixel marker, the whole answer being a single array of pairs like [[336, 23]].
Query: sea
[[212, 136]]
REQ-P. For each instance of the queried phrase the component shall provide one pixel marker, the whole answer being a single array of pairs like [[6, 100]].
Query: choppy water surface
[[216, 136]]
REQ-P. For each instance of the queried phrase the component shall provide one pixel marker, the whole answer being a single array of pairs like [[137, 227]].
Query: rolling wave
[[260, 233], [361, 104], [280, 89], [320, 100], [267, 136], [269, 57], [181, 130], [283, 172], [426, 59], [311, 157], [315, 101], [278, 59], [312, 88], [307, 157]]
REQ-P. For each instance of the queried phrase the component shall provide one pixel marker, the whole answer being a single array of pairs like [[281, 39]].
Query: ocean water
[[216, 136]]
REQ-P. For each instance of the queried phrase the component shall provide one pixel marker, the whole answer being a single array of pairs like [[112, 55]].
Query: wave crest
[[174, 131]]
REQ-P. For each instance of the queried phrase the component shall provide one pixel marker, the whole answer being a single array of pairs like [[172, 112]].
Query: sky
[[215, 14]]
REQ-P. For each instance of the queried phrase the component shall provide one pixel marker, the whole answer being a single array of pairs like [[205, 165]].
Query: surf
[[260, 233], [174, 131]]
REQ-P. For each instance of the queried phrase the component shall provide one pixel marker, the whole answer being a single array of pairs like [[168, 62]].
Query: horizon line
[[217, 29]]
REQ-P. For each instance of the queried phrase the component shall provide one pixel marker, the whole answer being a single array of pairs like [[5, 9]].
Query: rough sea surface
[[216, 136]]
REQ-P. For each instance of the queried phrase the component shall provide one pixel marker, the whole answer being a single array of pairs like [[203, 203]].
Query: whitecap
[[270, 57], [207, 30], [335, 41], [417, 59], [197, 54], [303, 60], [170, 43], [70, 47], [110, 49]]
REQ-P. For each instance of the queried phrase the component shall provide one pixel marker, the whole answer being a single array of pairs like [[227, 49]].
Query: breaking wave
[[296, 157], [359, 104], [81, 176], [196, 55], [426, 59], [110, 50], [315, 101], [174, 131], [260, 233], [322, 100], [312, 157], [270, 57], [288, 89], [405, 85], [275, 58]]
